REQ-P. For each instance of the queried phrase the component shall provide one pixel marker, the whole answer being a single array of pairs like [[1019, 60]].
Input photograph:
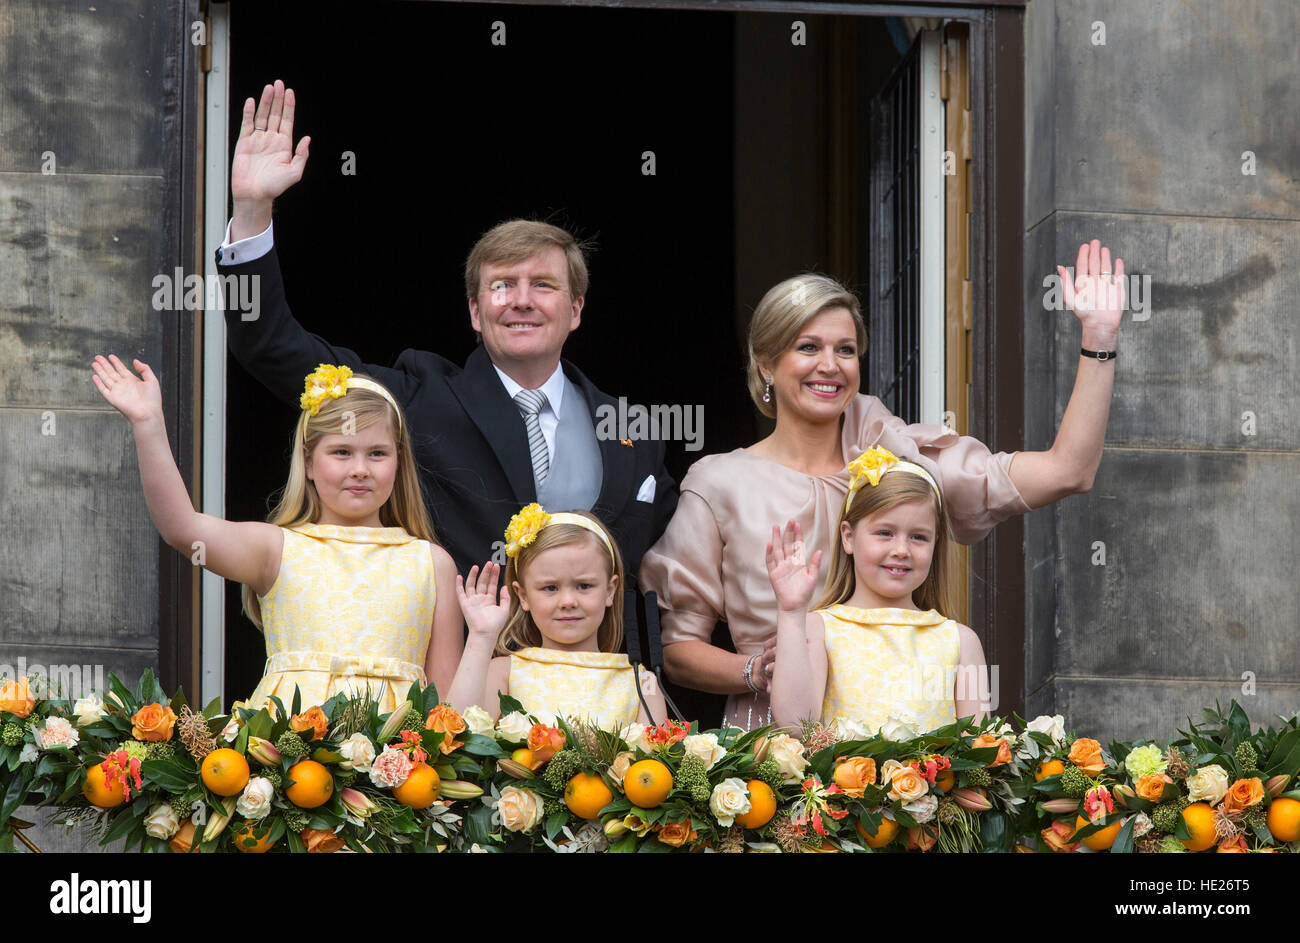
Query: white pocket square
[[647, 489]]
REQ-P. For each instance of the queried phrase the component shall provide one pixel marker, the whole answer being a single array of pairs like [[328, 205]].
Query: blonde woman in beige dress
[[806, 340]]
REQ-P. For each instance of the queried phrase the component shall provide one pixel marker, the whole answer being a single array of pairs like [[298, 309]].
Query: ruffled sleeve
[[685, 569], [976, 483]]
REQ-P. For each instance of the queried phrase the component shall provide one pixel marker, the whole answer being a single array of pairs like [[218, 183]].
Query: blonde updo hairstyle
[[300, 502], [520, 631], [781, 317]]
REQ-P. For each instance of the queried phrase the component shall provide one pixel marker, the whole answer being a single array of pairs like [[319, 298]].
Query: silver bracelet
[[748, 673]]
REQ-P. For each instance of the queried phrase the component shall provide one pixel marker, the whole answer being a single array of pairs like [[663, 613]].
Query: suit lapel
[[486, 402], [619, 464]]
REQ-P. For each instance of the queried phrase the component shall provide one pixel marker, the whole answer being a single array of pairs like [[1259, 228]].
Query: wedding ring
[[1105, 271], [259, 129]]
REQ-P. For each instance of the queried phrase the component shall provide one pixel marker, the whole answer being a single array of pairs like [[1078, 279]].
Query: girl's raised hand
[[486, 611], [136, 398], [793, 578]]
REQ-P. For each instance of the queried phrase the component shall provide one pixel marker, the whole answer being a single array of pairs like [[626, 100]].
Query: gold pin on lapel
[[627, 442]]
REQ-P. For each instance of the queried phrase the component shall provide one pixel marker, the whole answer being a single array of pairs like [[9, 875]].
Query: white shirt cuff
[[246, 250]]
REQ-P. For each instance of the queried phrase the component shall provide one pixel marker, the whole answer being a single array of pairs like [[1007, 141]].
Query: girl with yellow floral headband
[[877, 647], [343, 579], [552, 638]]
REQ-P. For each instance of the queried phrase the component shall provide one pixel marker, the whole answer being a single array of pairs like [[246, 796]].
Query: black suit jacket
[[467, 434]]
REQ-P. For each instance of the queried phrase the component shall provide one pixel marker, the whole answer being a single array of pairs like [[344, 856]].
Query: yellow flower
[[325, 383], [869, 466], [524, 527]]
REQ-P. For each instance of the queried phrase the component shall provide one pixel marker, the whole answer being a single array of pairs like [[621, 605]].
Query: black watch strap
[[1098, 354]]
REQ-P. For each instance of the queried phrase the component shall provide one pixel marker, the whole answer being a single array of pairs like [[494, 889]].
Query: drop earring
[[767, 390]]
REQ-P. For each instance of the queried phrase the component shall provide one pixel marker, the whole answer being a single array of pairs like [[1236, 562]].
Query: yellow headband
[[868, 468], [328, 382], [528, 523]]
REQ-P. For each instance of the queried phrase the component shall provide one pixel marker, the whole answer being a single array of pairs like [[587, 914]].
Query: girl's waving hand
[[793, 578], [486, 611]]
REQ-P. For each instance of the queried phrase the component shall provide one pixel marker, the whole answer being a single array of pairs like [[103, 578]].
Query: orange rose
[[1004, 748], [313, 721], [854, 774], [16, 697], [907, 784], [677, 834], [1243, 794], [1233, 846], [443, 719], [1086, 754], [921, 838], [1151, 788], [1057, 836], [153, 723], [545, 742], [321, 840], [183, 839]]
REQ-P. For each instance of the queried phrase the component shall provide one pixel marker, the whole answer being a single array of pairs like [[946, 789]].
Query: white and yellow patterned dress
[[890, 663], [351, 609], [596, 686]]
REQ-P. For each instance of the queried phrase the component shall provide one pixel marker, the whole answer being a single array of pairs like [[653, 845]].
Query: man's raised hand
[[266, 162]]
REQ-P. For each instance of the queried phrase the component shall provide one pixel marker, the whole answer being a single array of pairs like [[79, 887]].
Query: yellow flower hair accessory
[[330, 382], [871, 465], [528, 523]]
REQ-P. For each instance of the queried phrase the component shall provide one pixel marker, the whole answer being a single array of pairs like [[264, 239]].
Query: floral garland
[[141, 767]]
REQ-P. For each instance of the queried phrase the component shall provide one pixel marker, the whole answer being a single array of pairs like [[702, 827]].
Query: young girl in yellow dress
[[877, 647], [552, 637], [343, 581]]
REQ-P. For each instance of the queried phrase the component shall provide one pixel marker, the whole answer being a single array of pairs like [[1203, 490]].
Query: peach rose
[[1243, 794], [16, 697], [907, 784], [988, 740], [545, 742], [444, 719], [854, 774], [311, 721], [1057, 836], [153, 723], [618, 769], [921, 838], [321, 841], [677, 834], [1086, 754], [1233, 846], [183, 839], [1152, 788]]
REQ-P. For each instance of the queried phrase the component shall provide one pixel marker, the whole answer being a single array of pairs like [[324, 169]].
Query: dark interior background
[[452, 135]]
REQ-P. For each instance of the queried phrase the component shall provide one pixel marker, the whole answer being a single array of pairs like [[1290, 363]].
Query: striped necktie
[[530, 403]]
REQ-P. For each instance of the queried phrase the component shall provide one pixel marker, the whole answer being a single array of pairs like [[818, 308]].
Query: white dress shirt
[[549, 416]]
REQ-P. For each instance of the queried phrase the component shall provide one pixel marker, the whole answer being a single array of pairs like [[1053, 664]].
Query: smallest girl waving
[[556, 644], [877, 647]]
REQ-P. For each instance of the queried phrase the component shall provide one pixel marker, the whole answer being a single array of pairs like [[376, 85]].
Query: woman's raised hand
[[1096, 294], [486, 611], [793, 578], [136, 398]]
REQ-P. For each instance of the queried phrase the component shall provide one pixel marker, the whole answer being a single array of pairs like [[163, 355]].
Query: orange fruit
[[524, 757], [1048, 768], [225, 772], [586, 795], [258, 845], [946, 780], [312, 784], [1283, 819], [1200, 822], [762, 805], [647, 783], [1098, 841], [883, 834], [97, 790], [421, 787]]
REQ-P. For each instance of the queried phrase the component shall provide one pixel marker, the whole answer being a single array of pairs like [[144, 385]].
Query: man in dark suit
[[515, 425]]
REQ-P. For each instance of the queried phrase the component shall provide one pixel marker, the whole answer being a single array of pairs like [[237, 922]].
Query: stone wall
[[1140, 142]]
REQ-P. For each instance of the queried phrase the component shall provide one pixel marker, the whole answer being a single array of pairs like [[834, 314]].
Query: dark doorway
[[758, 144]]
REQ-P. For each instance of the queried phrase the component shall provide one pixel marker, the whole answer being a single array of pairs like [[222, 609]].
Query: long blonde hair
[[520, 631], [895, 488], [300, 503]]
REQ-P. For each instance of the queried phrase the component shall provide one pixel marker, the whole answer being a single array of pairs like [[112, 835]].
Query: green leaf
[[213, 708], [178, 701], [476, 744], [123, 824], [478, 825], [624, 845], [260, 725], [1285, 757], [297, 701], [16, 794], [1181, 831], [1124, 840], [509, 705], [168, 774], [1238, 724], [296, 843], [554, 822]]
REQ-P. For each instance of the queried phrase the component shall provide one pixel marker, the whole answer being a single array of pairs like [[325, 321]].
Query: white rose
[[898, 731], [520, 809], [853, 730], [255, 801], [88, 710], [357, 752], [922, 809], [1207, 784], [57, 732], [634, 736], [730, 798], [705, 746], [478, 720], [513, 728], [1053, 726], [162, 822], [787, 753]]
